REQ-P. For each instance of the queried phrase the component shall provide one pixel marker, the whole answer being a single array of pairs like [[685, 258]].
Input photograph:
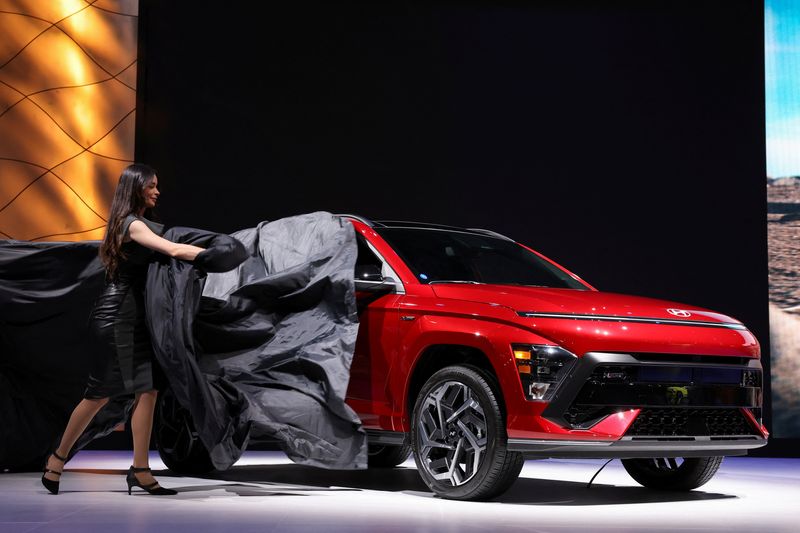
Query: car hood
[[586, 321], [564, 303]]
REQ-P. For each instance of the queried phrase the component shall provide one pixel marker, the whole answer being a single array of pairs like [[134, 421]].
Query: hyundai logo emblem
[[679, 312]]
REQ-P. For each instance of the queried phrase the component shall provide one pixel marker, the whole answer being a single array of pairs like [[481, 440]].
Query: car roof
[[377, 224]]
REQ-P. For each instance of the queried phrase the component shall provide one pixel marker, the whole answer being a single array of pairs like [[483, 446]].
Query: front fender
[[491, 338]]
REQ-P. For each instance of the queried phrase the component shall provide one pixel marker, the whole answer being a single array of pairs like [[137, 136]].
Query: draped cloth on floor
[[255, 340]]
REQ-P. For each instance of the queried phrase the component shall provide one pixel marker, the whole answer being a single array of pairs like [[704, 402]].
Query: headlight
[[541, 368]]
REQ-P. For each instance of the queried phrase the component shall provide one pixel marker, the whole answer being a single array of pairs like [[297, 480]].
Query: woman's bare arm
[[140, 233]]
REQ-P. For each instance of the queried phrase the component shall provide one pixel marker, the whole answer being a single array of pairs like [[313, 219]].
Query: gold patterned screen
[[67, 103]]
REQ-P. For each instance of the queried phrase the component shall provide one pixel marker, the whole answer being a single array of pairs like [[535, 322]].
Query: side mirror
[[368, 273]]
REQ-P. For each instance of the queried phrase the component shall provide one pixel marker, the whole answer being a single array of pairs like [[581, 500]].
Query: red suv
[[476, 352]]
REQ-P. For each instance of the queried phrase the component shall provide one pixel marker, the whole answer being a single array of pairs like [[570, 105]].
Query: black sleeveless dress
[[122, 360]]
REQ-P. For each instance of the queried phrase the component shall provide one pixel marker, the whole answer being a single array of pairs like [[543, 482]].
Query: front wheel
[[673, 473], [459, 437]]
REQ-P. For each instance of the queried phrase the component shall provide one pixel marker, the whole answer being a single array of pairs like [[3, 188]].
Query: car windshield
[[436, 255]]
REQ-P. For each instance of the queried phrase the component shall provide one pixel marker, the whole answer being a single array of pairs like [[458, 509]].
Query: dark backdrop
[[623, 139]]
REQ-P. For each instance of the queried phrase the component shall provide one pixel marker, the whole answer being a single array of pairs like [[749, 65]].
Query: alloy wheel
[[452, 433]]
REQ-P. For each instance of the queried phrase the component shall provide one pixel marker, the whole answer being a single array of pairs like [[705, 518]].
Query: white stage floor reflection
[[264, 491]]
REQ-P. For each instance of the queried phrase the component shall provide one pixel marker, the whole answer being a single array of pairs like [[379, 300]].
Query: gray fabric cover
[[268, 353], [296, 379]]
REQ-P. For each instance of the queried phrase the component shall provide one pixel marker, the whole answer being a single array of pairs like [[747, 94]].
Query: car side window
[[365, 255], [372, 272]]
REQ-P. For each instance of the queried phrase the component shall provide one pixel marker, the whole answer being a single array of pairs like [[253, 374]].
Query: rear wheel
[[459, 436], [672, 473], [177, 441], [384, 456]]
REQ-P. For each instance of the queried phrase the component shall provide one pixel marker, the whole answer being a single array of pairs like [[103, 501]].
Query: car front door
[[378, 289]]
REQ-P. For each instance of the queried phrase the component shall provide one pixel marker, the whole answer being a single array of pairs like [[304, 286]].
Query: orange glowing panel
[[67, 114], [524, 369]]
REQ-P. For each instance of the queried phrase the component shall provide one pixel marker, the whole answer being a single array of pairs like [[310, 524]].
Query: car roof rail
[[384, 223], [492, 233], [361, 219], [411, 224]]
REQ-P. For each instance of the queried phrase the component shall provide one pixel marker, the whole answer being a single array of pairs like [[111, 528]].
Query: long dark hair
[[128, 199]]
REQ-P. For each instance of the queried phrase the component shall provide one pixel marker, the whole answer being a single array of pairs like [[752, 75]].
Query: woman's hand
[[223, 254]]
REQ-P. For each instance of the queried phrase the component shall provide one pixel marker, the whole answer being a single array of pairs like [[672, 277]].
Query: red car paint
[[397, 329]]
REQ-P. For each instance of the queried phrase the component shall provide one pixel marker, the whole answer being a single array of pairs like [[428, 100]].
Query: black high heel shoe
[[51, 484], [151, 488]]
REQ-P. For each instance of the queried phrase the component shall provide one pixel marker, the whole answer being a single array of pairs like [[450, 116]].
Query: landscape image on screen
[[782, 50]]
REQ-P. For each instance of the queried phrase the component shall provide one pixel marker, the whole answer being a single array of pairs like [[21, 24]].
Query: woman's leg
[[142, 427], [81, 416]]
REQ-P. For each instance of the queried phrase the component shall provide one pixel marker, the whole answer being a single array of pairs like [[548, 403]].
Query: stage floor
[[264, 491]]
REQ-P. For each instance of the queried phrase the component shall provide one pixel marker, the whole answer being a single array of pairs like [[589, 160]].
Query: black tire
[[177, 441], [485, 474], [384, 456], [673, 473]]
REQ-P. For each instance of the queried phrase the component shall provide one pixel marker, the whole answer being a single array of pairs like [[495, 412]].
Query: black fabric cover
[[46, 293], [262, 351]]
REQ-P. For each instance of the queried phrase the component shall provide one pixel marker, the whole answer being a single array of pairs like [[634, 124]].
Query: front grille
[[678, 375], [654, 386], [690, 422]]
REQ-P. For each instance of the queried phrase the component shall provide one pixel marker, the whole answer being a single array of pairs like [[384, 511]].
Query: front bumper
[[673, 406], [633, 447]]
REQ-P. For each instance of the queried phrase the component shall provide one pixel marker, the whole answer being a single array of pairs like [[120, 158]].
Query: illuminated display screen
[[782, 51]]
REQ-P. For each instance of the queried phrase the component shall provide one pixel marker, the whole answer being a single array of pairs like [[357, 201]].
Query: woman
[[123, 360]]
